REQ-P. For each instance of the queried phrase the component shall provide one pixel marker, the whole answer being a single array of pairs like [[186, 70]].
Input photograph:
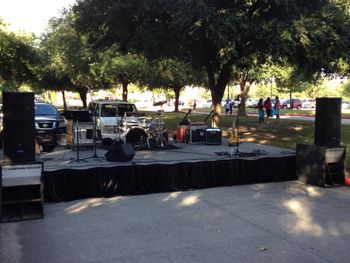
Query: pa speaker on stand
[[328, 122]]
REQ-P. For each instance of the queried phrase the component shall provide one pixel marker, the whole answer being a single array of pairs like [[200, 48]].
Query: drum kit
[[141, 132], [147, 134]]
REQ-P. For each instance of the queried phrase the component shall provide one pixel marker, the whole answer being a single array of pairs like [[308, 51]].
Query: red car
[[296, 104]]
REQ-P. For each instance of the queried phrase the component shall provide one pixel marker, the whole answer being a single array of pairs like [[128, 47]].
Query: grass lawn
[[345, 113], [285, 134]]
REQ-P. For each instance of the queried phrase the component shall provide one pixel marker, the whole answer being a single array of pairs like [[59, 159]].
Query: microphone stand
[[236, 134], [77, 159], [94, 138]]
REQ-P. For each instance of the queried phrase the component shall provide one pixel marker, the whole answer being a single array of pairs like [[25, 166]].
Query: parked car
[[254, 104], [308, 103], [296, 104], [207, 104], [48, 124], [249, 102], [114, 119], [345, 105]]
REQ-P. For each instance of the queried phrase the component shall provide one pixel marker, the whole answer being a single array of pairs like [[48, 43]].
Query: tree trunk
[[244, 87], [125, 90], [217, 88], [83, 96], [177, 97], [64, 101], [290, 99], [217, 94]]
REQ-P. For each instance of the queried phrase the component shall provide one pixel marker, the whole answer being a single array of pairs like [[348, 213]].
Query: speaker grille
[[328, 122], [19, 127]]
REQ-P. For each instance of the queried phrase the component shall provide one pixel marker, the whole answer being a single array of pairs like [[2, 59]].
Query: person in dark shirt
[[261, 110], [268, 106], [277, 107]]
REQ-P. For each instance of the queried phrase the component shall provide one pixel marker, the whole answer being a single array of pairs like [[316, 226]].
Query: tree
[[219, 35], [289, 80], [123, 69], [173, 74], [18, 57], [69, 59]]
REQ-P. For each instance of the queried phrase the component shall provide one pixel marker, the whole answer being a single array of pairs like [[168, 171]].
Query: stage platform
[[69, 175]]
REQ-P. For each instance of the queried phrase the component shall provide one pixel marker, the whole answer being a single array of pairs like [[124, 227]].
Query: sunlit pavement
[[275, 222]]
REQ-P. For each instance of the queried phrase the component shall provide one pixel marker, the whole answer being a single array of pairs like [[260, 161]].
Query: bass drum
[[136, 137]]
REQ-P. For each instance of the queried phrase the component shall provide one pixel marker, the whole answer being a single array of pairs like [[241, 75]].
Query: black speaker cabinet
[[328, 122], [77, 115], [120, 153], [19, 127], [195, 134], [319, 165], [213, 136]]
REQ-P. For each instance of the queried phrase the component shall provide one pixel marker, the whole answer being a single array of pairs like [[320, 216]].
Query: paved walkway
[[275, 222]]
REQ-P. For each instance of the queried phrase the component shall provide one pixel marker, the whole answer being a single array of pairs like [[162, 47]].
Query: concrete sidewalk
[[275, 222]]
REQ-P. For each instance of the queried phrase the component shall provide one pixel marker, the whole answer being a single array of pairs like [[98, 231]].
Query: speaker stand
[[94, 141], [77, 159]]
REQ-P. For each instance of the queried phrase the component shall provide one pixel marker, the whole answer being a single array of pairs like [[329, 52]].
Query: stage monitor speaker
[[319, 165], [328, 122], [195, 135], [19, 127], [213, 136], [120, 153]]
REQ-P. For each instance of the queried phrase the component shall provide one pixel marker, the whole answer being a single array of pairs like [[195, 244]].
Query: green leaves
[[18, 58]]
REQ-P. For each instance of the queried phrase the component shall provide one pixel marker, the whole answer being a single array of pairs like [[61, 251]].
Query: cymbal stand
[[236, 135], [94, 138]]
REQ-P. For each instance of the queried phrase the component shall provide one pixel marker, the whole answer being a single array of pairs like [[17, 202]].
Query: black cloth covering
[[72, 184]]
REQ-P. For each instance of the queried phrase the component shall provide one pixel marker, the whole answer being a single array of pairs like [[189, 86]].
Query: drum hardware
[[137, 137], [157, 132], [235, 125], [94, 137]]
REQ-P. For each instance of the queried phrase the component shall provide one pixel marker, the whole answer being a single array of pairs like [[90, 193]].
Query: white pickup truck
[[115, 119]]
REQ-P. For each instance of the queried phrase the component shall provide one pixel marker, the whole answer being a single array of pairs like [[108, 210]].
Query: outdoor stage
[[185, 166]]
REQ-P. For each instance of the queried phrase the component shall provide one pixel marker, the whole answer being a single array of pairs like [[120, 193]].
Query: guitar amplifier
[[195, 134], [213, 136]]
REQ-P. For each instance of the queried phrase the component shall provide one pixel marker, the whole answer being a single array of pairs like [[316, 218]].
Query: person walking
[[261, 110], [194, 105], [276, 107], [268, 106], [231, 106], [227, 107]]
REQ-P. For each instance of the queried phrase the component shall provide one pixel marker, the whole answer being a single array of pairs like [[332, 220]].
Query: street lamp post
[[271, 82]]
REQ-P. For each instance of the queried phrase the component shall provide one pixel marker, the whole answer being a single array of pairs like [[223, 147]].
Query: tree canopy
[[18, 59], [174, 75], [69, 61], [220, 35]]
